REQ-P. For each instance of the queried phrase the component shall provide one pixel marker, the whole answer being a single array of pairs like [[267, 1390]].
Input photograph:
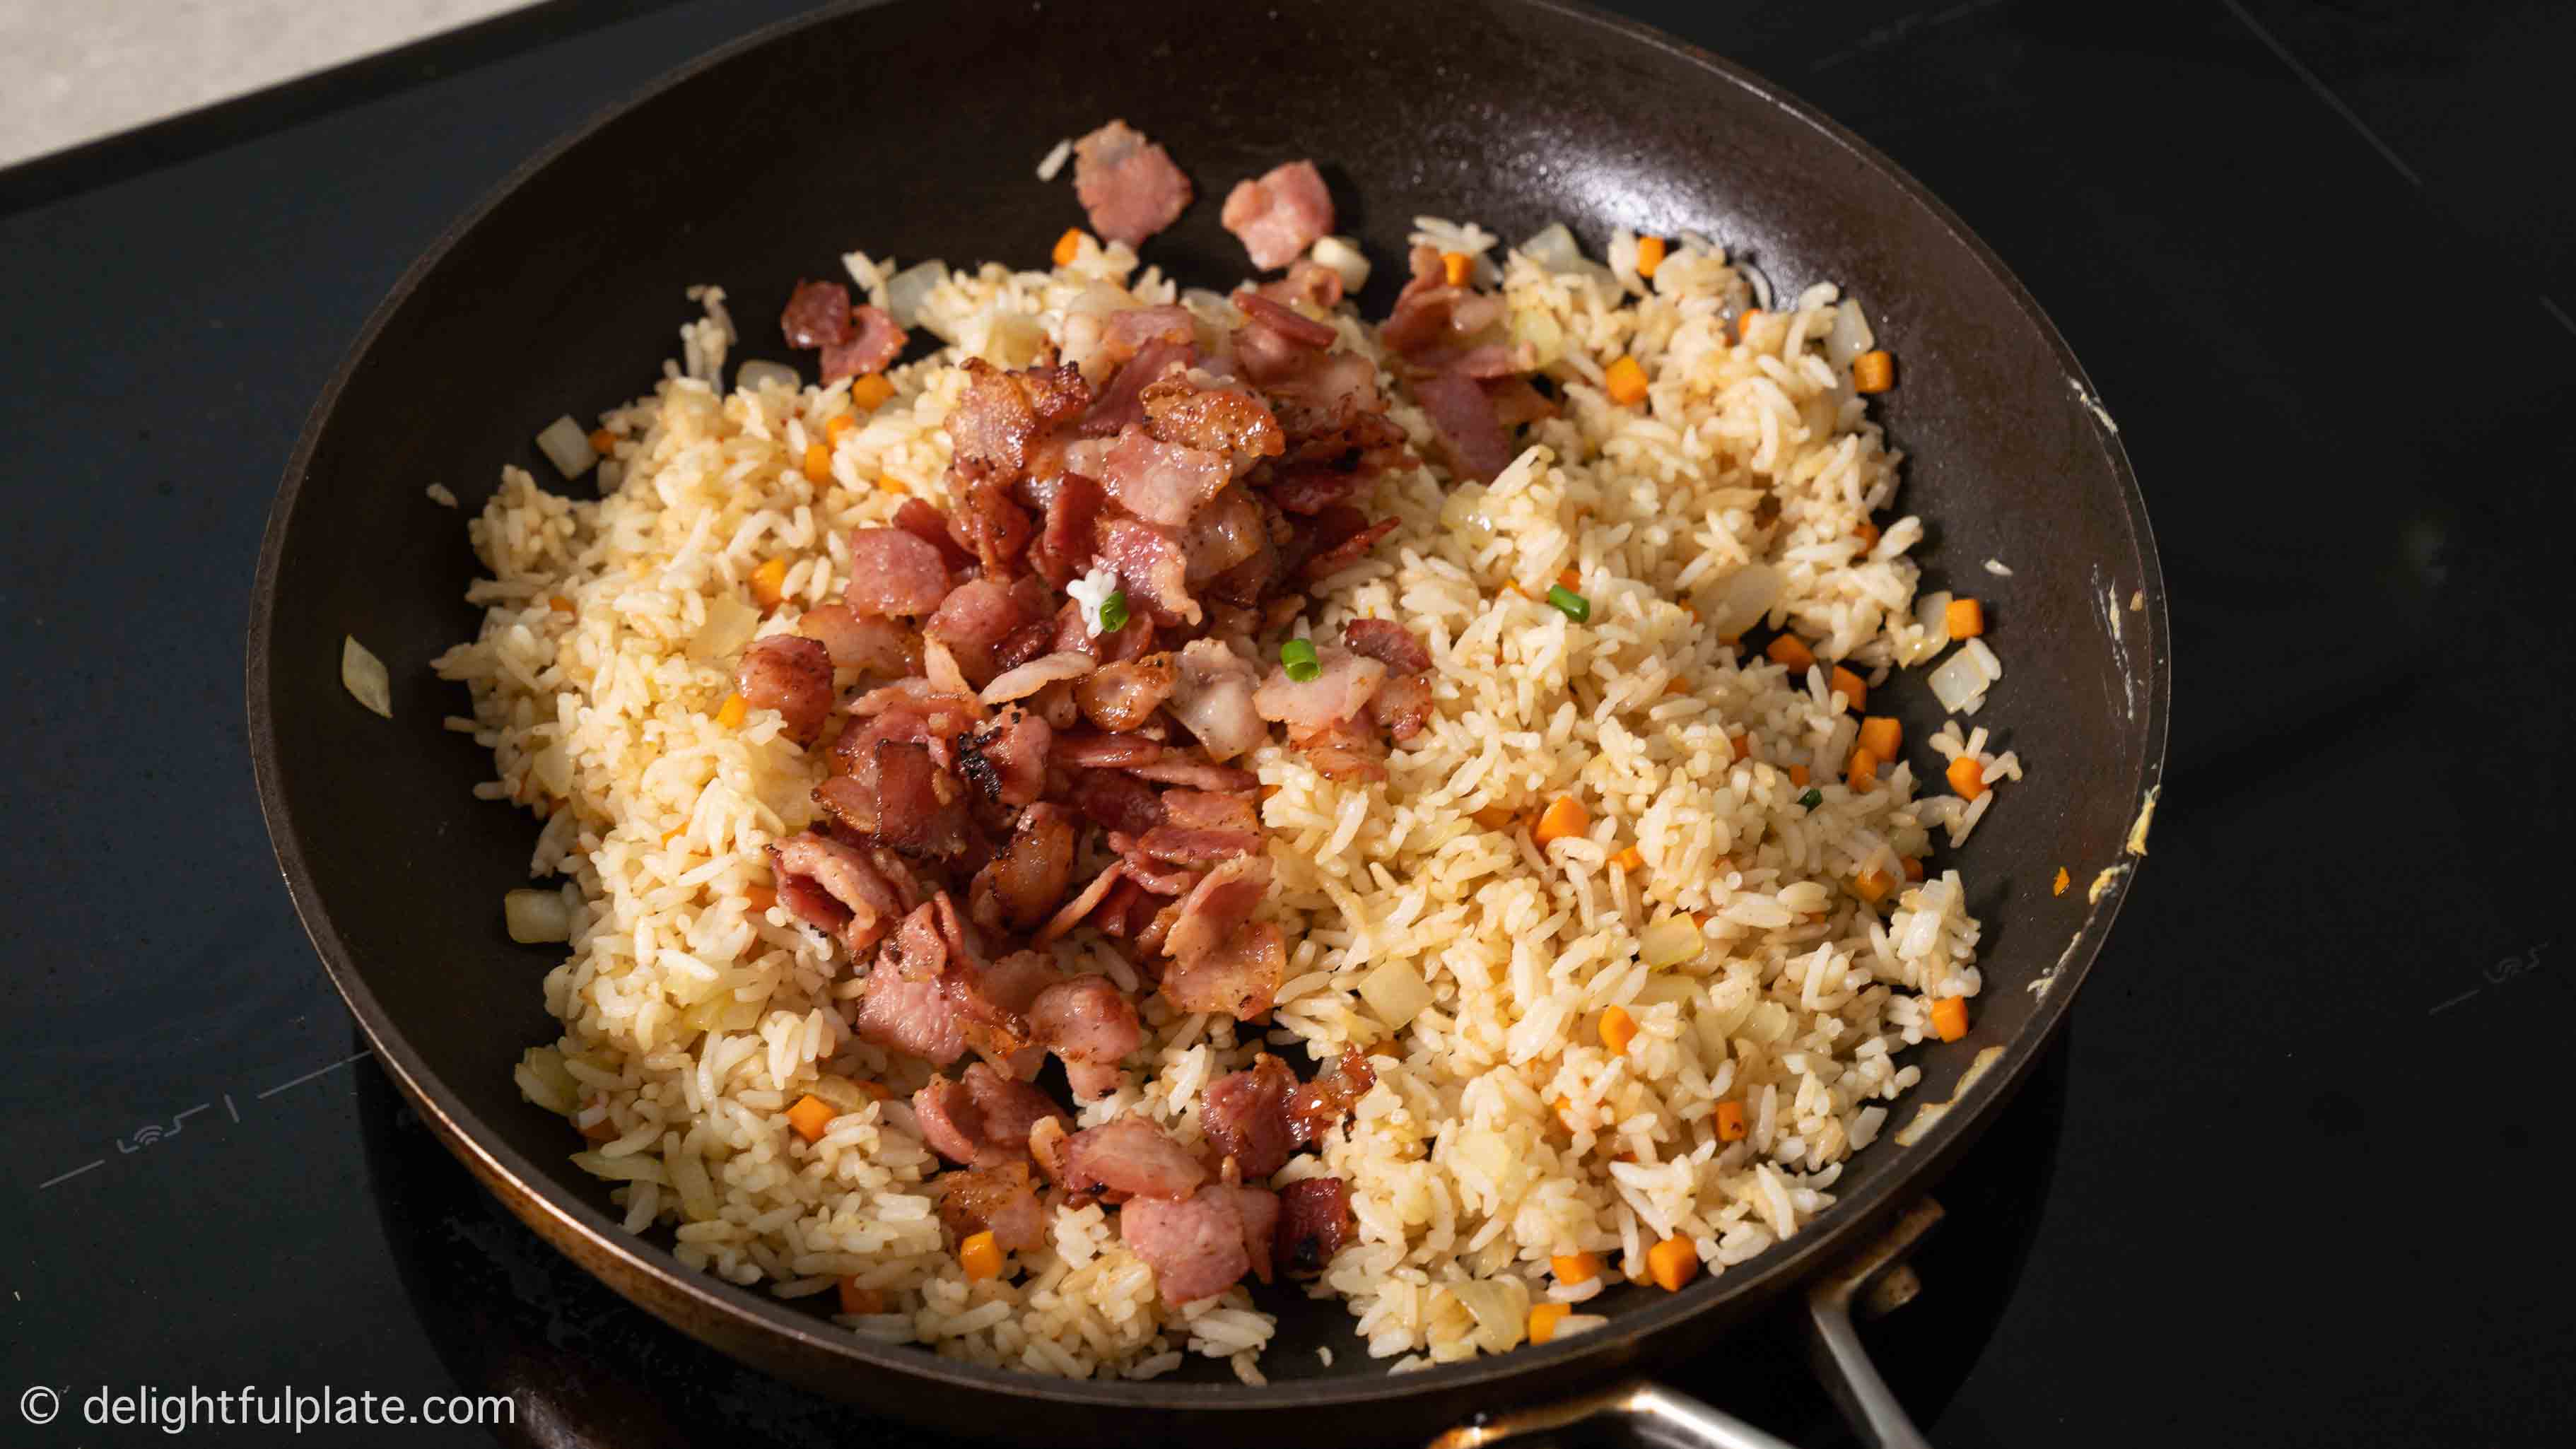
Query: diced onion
[[1964, 676], [1553, 247], [1932, 611], [1395, 991], [536, 917], [909, 289], [1013, 339], [1768, 1023], [545, 1080], [363, 675], [1344, 256], [1740, 600], [1500, 1307], [634, 1167], [731, 621], [841, 1093], [567, 447], [1669, 942], [752, 375], [1538, 330], [721, 1011], [1100, 299], [1671, 986], [1729, 1006], [1848, 338], [1464, 512]]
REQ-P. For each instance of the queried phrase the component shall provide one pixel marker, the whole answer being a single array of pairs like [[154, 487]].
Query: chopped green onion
[[1297, 656], [1113, 612], [1573, 605], [1813, 798]]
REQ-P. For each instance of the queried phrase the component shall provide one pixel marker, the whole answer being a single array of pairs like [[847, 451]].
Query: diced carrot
[[980, 1256], [818, 463], [1950, 1018], [1730, 1122], [1744, 324], [1575, 1269], [733, 711], [1650, 255], [1563, 816], [1791, 651], [1068, 246], [1267, 791], [878, 1090], [1914, 867], [1881, 736], [673, 833], [1966, 618], [1872, 886], [855, 1299], [1564, 1112], [811, 1117], [1676, 685], [1626, 382], [1739, 745], [1967, 777], [603, 442], [560, 604], [1618, 1029], [760, 897], [769, 583], [1495, 817], [2058, 886], [1671, 1263], [1847, 684], [840, 423], [602, 1130], [1867, 533], [1862, 772], [1874, 371], [1456, 268], [886, 484], [1797, 774], [1569, 579], [871, 391], [1628, 859], [1543, 1319]]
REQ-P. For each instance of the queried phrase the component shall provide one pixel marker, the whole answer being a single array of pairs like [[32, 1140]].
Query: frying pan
[[912, 130]]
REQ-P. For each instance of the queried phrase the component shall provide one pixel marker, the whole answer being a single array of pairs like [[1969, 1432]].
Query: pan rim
[[1758, 1280]]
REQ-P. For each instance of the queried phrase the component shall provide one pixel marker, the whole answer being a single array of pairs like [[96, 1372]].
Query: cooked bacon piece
[[1002, 1200], [1003, 413], [1106, 752], [1257, 1210], [1231, 530], [974, 620], [817, 315], [1121, 404], [1027, 645], [1075, 911], [917, 951], [874, 342], [909, 710], [1134, 641], [1341, 537], [1130, 1155], [1517, 402], [908, 1016], [1216, 906], [792, 675], [1100, 343], [1092, 1026], [1338, 692], [1195, 1246], [1317, 1107], [1486, 362], [1470, 433], [1114, 801], [990, 526], [1314, 1224], [1430, 314], [1290, 325], [929, 522], [982, 1119], [1403, 705], [1195, 774], [920, 810], [1310, 488], [856, 641], [1158, 879], [1342, 750], [894, 571], [1128, 186], [1281, 214], [1124, 696], [1023, 885], [1220, 420], [1245, 1116], [1161, 482], [1239, 977], [1065, 543], [1212, 697], [1387, 642], [1151, 567], [832, 884], [1202, 828]]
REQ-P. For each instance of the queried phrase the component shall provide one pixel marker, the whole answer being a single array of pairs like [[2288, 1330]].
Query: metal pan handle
[[1662, 1416]]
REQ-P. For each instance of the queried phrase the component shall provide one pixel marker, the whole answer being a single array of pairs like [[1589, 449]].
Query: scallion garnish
[[1569, 603], [1297, 656], [1113, 612], [1813, 798]]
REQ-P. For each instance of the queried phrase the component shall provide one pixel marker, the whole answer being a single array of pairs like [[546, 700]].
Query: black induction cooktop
[[2286, 1179]]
